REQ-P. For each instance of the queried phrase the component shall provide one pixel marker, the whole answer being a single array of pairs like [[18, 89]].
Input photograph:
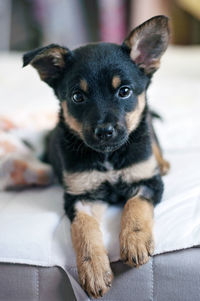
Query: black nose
[[104, 132]]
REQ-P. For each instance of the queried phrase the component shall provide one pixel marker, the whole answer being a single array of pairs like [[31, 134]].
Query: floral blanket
[[20, 149]]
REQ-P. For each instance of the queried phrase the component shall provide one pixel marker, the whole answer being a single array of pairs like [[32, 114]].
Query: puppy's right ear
[[148, 42], [50, 62]]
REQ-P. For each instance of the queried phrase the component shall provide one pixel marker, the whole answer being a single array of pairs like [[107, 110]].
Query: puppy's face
[[102, 86], [100, 90]]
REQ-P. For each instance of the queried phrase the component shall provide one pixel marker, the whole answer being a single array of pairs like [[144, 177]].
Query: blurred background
[[27, 102], [27, 24]]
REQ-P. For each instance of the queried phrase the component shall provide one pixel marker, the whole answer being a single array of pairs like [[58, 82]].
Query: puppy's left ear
[[148, 42], [50, 62]]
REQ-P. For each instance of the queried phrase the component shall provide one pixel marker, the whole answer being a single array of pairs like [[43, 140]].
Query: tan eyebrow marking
[[84, 85], [116, 81]]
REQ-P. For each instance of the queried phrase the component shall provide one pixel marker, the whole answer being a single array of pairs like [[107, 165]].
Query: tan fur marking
[[142, 170], [81, 182], [93, 265], [116, 81], [133, 118], [71, 121], [163, 164], [84, 85], [136, 239]]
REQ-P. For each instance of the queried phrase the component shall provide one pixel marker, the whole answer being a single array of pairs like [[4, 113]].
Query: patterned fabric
[[19, 165]]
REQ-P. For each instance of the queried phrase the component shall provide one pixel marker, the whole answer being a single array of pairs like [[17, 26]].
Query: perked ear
[[148, 42], [49, 62]]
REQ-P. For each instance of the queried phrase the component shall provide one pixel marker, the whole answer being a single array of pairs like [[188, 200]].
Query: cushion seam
[[37, 284], [152, 279]]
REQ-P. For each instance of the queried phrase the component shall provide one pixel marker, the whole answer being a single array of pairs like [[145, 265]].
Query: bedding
[[34, 229]]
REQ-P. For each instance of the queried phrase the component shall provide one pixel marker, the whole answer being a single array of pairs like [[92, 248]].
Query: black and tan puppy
[[104, 149]]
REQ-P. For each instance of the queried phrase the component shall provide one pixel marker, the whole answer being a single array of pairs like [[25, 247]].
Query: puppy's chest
[[79, 183]]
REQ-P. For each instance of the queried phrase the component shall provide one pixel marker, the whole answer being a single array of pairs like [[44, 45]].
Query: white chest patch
[[108, 165], [81, 182], [95, 209]]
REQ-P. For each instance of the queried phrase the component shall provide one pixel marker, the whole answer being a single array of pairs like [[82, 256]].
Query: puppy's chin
[[107, 147]]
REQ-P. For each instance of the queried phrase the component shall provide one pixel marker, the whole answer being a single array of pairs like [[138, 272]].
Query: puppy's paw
[[136, 247], [95, 274]]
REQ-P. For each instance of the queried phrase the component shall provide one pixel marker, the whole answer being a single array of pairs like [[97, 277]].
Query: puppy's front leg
[[94, 270], [136, 240]]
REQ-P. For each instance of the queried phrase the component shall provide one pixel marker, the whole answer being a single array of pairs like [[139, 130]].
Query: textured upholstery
[[168, 277], [31, 283]]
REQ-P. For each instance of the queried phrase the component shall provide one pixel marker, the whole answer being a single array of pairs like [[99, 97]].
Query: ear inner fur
[[71, 121], [49, 61], [148, 42], [56, 52], [133, 118]]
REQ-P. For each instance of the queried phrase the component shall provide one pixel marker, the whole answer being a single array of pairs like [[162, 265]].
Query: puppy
[[104, 149]]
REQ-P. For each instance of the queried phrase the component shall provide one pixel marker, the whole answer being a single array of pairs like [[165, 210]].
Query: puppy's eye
[[77, 97], [124, 92]]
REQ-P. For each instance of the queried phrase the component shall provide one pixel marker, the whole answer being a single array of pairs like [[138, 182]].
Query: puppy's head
[[102, 86]]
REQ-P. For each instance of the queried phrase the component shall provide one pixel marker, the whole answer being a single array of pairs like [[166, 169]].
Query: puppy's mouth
[[107, 147]]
